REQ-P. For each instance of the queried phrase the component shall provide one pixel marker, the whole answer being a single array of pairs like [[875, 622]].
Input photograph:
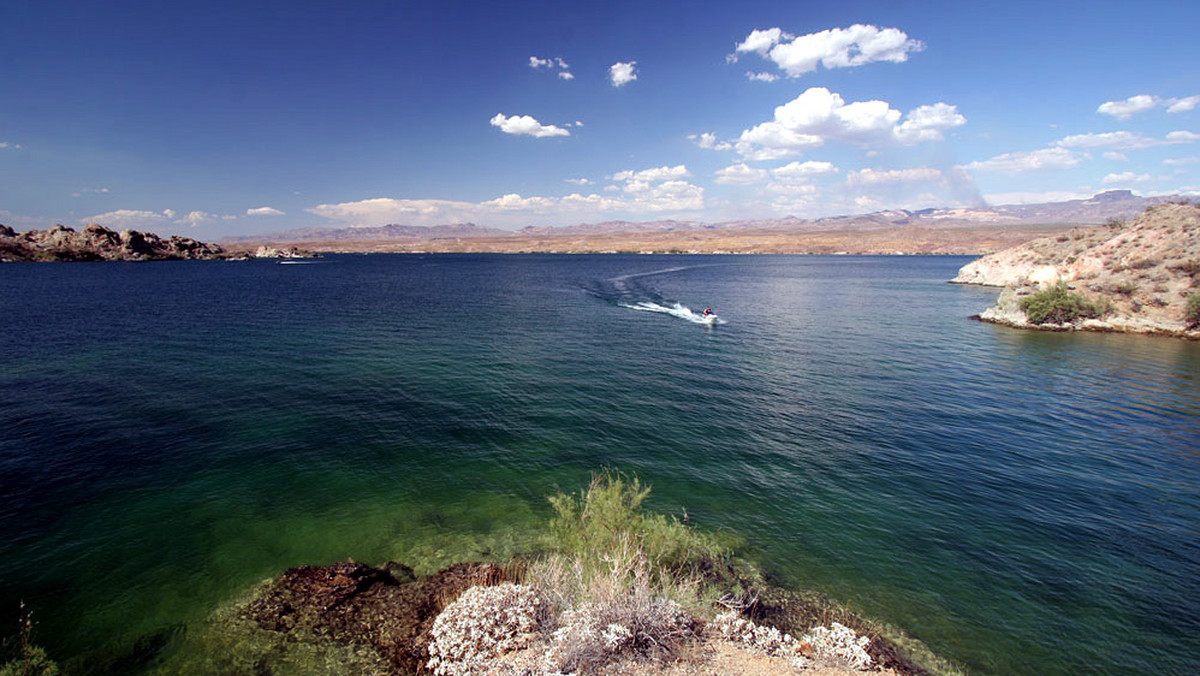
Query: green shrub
[[608, 516], [33, 660], [1193, 311], [1059, 305]]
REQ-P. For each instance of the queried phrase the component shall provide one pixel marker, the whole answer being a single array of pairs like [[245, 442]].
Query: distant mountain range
[[1118, 204]]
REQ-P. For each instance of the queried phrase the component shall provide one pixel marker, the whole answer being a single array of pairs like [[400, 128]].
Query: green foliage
[[592, 524], [1193, 311], [1059, 305], [33, 660]]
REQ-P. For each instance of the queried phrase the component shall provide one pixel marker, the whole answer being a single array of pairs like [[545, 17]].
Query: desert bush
[[1124, 287], [1189, 267], [1192, 313], [482, 624], [1143, 263], [1114, 223], [588, 526], [624, 614], [1059, 305]]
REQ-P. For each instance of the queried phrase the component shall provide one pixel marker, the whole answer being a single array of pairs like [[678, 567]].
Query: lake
[[171, 433]]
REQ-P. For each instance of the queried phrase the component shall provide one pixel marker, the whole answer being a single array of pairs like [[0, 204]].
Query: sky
[[214, 119]]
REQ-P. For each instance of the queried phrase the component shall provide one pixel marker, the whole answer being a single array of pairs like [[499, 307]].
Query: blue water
[[170, 433]]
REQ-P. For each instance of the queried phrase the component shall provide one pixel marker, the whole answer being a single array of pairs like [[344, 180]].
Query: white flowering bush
[[482, 624], [760, 638], [839, 644]]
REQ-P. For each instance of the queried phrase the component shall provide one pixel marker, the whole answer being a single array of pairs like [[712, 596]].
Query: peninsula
[[1133, 277], [98, 243]]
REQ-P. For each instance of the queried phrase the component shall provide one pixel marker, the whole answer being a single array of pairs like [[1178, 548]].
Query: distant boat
[[291, 262]]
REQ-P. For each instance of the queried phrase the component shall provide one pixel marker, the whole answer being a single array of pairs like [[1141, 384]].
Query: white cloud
[[662, 173], [761, 77], [797, 170], [385, 210], [622, 73], [1112, 155], [925, 123], [818, 115], [1182, 137], [90, 191], [1123, 110], [1035, 197], [857, 45], [526, 125], [264, 211], [1181, 161], [740, 174], [556, 63], [1046, 158], [1125, 177], [653, 196], [6, 144], [1125, 140], [708, 141], [1182, 105], [130, 218], [893, 176], [578, 181]]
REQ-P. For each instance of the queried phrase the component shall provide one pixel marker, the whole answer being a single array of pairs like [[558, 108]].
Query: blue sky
[[211, 119]]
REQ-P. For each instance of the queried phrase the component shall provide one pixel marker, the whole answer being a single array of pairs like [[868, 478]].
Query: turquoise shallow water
[[1025, 503]]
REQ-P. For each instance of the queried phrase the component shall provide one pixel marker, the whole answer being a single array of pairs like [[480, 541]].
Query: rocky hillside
[[98, 243], [1142, 275]]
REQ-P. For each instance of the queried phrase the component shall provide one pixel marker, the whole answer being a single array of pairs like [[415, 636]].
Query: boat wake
[[635, 292], [675, 310]]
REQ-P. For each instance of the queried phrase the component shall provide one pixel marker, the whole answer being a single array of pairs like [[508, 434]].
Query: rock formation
[[1145, 271], [97, 243]]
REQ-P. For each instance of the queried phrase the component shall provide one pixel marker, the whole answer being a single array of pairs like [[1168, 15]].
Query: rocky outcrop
[[1145, 271], [387, 610], [98, 243]]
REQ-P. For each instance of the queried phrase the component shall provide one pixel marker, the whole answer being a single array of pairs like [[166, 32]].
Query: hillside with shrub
[[1137, 277]]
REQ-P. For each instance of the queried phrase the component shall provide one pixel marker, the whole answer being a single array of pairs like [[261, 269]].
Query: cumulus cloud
[[1035, 197], [527, 126], [1181, 161], [1183, 105], [708, 141], [1046, 158], [818, 115], [1125, 177], [264, 211], [1123, 110], [555, 64], [578, 181], [893, 176], [857, 45], [1125, 140], [621, 74], [131, 218], [662, 173], [1115, 156], [796, 170], [740, 174], [926, 123], [761, 77], [651, 196]]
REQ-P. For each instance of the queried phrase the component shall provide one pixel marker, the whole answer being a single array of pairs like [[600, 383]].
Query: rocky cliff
[[98, 243], [1144, 272]]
